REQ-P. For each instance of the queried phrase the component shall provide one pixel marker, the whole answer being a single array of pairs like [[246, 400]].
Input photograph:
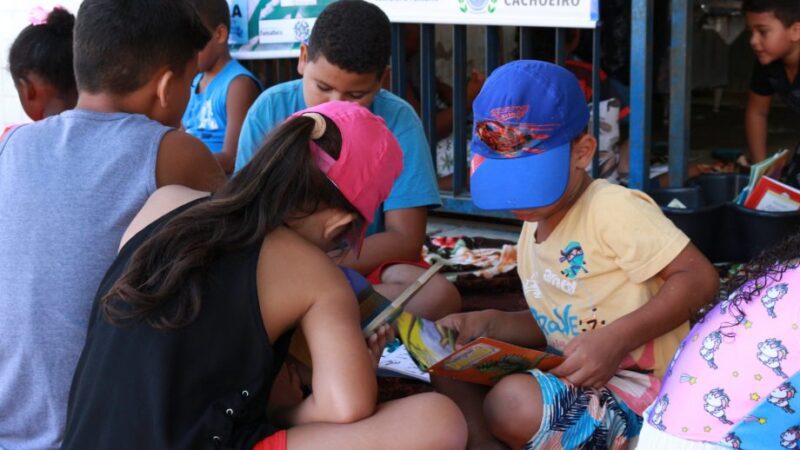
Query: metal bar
[[641, 99], [561, 46], [428, 84], [459, 109], [492, 48], [398, 60], [525, 43], [596, 93], [680, 91]]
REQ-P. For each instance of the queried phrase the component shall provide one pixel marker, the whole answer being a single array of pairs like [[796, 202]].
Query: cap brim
[[521, 183]]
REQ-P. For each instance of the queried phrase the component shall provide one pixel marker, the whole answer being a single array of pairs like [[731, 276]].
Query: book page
[[427, 342], [398, 362]]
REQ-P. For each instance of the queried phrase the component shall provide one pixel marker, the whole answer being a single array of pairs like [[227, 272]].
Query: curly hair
[[764, 270], [353, 35]]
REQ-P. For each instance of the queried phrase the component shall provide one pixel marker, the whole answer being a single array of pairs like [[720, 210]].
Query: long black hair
[[163, 282]]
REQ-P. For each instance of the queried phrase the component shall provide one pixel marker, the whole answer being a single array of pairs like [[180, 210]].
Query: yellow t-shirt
[[599, 264]]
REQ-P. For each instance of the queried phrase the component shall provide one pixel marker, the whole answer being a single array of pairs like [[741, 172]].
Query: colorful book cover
[[772, 195], [770, 167], [482, 361]]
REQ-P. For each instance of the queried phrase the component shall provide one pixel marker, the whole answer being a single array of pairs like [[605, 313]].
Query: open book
[[374, 309], [482, 361]]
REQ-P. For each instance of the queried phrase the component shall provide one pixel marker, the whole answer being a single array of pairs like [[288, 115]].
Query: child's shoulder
[[394, 110], [604, 199]]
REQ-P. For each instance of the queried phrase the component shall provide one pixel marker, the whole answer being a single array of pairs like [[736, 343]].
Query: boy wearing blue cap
[[609, 280]]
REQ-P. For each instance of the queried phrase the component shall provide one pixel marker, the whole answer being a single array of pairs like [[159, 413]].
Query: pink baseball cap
[[369, 162]]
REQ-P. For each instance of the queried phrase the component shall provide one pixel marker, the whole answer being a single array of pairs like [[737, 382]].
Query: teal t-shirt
[[416, 185]]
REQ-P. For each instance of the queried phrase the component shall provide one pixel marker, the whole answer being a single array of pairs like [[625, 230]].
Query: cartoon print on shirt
[[573, 255], [716, 403], [733, 440], [791, 437], [735, 311], [659, 408], [774, 294], [710, 345], [675, 358], [782, 395], [771, 352]]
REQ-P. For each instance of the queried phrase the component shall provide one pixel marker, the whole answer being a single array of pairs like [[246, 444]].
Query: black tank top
[[202, 386]]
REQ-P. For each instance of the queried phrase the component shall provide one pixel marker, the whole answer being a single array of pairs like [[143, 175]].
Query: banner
[[264, 29], [524, 13], [274, 28]]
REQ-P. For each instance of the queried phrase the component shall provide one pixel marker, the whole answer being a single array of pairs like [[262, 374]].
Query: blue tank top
[[69, 186], [206, 116]]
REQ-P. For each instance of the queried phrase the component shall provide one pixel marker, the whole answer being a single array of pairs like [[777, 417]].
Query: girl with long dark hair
[[192, 321]]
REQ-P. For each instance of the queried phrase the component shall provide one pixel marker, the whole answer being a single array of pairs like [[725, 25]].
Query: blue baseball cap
[[526, 116]]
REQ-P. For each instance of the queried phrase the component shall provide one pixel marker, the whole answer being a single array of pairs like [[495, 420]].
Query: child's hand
[[377, 342], [592, 358], [469, 326]]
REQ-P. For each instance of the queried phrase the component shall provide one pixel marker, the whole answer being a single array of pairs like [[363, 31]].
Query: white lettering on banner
[[569, 3], [565, 285]]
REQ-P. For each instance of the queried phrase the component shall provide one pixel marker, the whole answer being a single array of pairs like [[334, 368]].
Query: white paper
[[399, 362]]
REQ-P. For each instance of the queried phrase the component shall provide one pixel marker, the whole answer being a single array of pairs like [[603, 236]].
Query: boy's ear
[[27, 90], [583, 150], [221, 34], [163, 86], [303, 59], [794, 32]]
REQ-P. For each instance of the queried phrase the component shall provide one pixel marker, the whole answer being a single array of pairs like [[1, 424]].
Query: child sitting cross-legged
[[193, 319], [347, 59], [609, 280], [223, 90]]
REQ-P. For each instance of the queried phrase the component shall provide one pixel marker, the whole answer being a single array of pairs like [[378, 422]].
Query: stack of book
[[764, 192]]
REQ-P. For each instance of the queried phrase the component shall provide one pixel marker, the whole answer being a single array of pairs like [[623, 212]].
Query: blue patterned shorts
[[581, 418]]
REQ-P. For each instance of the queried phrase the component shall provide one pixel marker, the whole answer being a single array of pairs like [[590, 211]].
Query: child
[[223, 91], [71, 183], [733, 381], [40, 61], [775, 28], [346, 59], [610, 281], [215, 350]]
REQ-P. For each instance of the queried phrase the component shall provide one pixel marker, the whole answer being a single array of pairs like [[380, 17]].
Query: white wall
[[13, 18]]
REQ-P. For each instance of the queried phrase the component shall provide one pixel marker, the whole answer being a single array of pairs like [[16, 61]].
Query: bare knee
[[513, 409], [444, 424]]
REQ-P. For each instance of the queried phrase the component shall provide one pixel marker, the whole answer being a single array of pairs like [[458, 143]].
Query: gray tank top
[[69, 186]]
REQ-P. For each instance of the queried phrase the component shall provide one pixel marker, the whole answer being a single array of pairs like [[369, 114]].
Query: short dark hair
[[354, 35], [46, 50], [213, 12], [787, 11], [120, 44]]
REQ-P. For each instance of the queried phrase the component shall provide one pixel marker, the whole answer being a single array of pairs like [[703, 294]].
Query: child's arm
[[401, 241], [517, 327], [690, 281], [241, 94], [756, 125], [185, 160]]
